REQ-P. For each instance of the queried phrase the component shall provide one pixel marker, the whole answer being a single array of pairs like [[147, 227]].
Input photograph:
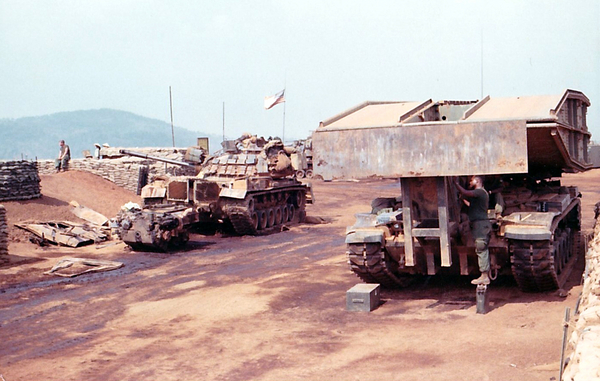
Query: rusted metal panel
[[444, 220], [407, 219], [64, 233], [424, 149], [527, 108], [150, 191], [88, 214]]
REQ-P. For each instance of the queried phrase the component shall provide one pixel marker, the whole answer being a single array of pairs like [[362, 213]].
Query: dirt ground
[[259, 308]]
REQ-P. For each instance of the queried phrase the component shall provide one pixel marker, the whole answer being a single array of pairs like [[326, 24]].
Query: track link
[[242, 221], [266, 213], [545, 265], [368, 262]]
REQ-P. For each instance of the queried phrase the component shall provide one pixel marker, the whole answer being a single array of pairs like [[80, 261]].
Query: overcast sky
[[67, 55]]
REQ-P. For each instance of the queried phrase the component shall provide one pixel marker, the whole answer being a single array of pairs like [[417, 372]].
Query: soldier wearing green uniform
[[64, 155], [481, 227]]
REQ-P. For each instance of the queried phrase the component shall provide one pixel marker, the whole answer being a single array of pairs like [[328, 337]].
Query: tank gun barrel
[[150, 157]]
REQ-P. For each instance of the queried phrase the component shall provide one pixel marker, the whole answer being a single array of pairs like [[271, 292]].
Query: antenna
[[481, 63], [284, 91], [171, 104]]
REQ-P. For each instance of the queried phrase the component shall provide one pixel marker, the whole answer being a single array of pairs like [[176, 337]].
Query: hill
[[38, 136]]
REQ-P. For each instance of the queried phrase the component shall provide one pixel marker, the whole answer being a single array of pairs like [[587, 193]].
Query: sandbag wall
[[3, 234], [127, 172], [584, 344], [19, 180]]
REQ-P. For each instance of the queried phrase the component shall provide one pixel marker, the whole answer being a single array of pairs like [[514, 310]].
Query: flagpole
[[283, 135]]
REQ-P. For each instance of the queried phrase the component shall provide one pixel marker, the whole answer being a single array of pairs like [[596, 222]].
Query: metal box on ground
[[362, 297]]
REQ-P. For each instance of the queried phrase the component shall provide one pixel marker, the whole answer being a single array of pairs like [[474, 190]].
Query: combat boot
[[483, 279]]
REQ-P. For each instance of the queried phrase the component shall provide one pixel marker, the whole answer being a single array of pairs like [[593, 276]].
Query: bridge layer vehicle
[[519, 145]]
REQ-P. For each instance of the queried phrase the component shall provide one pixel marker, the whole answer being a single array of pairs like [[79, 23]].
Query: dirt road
[[269, 308]]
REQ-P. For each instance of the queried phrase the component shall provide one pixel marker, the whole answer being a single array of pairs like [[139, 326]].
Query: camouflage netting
[[19, 180], [584, 363], [3, 233]]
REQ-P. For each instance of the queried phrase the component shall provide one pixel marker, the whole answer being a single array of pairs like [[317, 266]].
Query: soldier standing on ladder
[[481, 227]]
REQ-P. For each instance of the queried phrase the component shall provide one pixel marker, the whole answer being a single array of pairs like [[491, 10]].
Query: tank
[[520, 146], [161, 227], [249, 186]]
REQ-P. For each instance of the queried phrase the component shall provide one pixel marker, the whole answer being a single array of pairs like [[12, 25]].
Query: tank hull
[[251, 190], [161, 227], [537, 240]]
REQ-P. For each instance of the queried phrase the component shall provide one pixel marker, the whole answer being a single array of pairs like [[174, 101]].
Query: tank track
[[266, 212], [545, 265], [368, 262]]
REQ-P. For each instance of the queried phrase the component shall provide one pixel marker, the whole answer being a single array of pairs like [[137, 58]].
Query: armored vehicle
[[521, 146], [159, 227], [250, 185], [302, 159]]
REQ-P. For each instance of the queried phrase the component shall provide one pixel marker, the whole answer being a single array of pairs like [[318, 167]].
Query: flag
[[274, 99]]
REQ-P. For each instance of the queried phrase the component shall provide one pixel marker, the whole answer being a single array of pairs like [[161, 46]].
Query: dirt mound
[[58, 190]]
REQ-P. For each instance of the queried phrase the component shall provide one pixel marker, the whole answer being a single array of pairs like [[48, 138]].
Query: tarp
[[78, 266]]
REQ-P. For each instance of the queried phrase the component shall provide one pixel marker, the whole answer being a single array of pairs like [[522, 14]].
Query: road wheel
[[262, 219], [285, 214], [254, 220], [278, 216], [270, 217]]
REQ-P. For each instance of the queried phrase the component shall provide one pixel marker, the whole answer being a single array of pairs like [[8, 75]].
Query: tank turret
[[250, 185]]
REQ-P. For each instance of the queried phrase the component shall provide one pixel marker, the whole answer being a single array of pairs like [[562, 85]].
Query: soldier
[[98, 151], [481, 227], [64, 155]]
